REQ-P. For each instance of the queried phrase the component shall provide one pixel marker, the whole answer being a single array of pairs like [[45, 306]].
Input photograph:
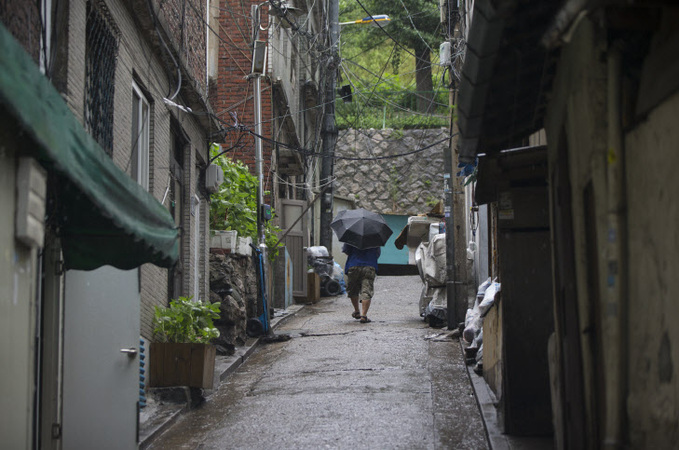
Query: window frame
[[141, 137]]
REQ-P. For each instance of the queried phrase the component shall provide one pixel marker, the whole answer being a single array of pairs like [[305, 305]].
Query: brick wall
[[185, 23], [233, 92], [22, 20], [140, 61]]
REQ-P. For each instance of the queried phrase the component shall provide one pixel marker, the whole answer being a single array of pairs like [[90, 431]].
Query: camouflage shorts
[[361, 282]]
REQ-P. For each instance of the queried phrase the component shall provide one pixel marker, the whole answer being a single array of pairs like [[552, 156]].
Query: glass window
[[140, 137]]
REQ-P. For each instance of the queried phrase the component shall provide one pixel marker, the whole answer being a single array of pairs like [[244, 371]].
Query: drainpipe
[[615, 312]]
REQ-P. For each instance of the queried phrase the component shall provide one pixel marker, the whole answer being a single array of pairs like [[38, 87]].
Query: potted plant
[[181, 354]]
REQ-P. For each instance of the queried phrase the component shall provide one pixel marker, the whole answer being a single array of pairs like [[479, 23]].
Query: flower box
[[224, 240], [173, 364]]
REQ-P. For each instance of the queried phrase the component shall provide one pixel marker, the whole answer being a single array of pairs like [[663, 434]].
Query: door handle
[[130, 351]]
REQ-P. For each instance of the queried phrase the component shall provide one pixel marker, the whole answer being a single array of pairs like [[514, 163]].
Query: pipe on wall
[[615, 310]]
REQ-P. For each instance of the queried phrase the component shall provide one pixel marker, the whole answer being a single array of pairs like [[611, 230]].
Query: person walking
[[361, 270]]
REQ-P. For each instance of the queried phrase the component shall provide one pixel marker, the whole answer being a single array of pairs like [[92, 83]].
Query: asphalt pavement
[[336, 383]]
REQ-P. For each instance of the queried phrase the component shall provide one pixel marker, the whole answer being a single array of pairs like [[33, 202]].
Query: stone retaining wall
[[404, 185], [235, 273]]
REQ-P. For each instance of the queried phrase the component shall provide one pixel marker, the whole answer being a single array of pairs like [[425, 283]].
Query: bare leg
[[365, 305], [354, 301]]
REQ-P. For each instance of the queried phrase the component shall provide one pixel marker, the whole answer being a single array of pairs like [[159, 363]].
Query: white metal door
[[101, 382]]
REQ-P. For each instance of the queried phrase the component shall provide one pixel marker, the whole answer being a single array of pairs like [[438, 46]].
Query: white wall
[[17, 316]]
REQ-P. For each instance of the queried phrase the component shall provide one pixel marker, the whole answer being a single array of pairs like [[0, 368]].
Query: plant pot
[[190, 365]]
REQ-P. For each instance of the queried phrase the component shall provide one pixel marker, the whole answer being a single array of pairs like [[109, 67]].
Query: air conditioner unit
[[214, 177]]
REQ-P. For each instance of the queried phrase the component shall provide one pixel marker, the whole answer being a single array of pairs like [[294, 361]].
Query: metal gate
[[296, 241]]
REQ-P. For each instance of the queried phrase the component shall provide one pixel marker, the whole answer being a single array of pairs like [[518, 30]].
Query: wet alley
[[338, 383]]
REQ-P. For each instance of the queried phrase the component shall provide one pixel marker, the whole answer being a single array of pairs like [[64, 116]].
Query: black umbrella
[[361, 228]]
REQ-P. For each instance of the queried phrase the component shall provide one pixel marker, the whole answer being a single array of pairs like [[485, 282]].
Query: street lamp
[[329, 127], [378, 20]]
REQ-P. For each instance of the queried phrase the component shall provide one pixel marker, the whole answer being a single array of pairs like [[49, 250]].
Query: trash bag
[[473, 324], [482, 288], [488, 298], [316, 251], [434, 261], [338, 274], [484, 301], [320, 260], [436, 312], [419, 256], [425, 298]]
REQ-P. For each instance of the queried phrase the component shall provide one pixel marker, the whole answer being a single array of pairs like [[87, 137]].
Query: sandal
[[356, 315], [364, 319]]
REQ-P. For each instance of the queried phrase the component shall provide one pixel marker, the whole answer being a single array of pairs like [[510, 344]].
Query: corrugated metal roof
[[506, 75]]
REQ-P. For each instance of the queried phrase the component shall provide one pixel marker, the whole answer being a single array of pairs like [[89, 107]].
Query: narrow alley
[[338, 383]]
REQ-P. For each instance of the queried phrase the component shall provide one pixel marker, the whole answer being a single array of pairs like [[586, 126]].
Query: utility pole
[[258, 67], [448, 192], [329, 127], [453, 302]]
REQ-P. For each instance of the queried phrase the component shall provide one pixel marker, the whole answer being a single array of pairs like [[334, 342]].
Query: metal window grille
[[101, 56]]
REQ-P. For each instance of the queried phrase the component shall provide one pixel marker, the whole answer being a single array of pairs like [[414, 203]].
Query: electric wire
[[313, 43]]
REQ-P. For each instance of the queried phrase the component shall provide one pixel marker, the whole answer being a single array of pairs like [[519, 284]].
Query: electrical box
[[266, 212], [445, 53], [214, 177], [31, 191], [258, 57], [345, 93]]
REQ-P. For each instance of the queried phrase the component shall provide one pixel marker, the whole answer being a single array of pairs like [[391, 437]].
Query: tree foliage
[[415, 27], [234, 206]]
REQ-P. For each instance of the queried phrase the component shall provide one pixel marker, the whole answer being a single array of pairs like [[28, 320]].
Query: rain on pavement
[[338, 383]]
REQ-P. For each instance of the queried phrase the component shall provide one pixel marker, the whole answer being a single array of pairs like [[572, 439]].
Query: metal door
[[295, 242], [101, 368]]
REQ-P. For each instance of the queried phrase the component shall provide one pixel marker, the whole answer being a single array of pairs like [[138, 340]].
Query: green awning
[[104, 217]]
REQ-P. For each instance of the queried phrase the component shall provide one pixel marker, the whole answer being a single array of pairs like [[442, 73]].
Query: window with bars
[[101, 53]]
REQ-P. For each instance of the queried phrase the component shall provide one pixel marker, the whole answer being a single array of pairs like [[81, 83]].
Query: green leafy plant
[[394, 186], [234, 207], [431, 201], [396, 135], [186, 321], [393, 109]]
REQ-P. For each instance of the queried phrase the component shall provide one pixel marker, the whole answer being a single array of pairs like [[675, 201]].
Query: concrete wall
[[18, 311], [578, 112], [628, 339], [18, 268], [652, 158]]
